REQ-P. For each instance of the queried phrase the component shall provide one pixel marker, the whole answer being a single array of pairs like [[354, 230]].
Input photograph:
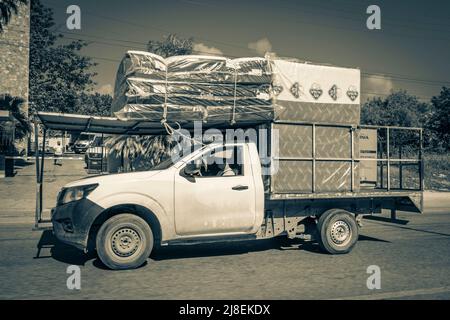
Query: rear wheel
[[338, 231], [124, 241]]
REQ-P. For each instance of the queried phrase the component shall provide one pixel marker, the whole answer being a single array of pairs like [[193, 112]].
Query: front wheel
[[124, 241], [338, 231]]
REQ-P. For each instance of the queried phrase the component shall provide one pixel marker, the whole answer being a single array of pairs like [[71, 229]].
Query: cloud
[[377, 85], [105, 89], [201, 48], [261, 46]]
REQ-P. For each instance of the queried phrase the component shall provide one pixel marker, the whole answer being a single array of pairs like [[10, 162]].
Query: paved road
[[414, 259]]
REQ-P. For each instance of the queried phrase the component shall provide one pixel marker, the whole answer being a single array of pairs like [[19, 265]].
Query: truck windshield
[[166, 164], [170, 161]]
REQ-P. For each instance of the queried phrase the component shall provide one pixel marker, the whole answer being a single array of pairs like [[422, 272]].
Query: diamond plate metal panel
[[333, 142], [293, 176], [296, 176], [318, 112], [295, 140], [333, 176]]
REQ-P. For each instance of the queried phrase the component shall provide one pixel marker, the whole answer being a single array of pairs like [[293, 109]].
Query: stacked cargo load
[[314, 109], [215, 90], [315, 93], [317, 111]]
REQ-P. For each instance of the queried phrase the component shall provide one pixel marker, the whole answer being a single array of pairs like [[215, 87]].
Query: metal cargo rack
[[389, 155], [79, 123]]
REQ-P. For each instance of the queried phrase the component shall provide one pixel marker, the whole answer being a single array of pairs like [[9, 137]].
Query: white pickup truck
[[197, 198]]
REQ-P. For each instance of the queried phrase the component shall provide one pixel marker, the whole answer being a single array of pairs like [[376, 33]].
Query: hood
[[113, 178]]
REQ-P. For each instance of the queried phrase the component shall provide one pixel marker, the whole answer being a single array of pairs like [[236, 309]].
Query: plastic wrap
[[194, 68], [219, 115], [315, 93], [144, 87], [187, 88], [148, 85]]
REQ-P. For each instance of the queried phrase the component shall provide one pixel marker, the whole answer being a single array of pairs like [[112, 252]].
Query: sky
[[411, 51]]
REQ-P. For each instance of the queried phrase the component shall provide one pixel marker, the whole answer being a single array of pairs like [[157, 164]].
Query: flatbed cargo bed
[[400, 198]]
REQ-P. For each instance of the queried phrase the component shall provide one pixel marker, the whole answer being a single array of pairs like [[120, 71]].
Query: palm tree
[[14, 104], [7, 8], [150, 150]]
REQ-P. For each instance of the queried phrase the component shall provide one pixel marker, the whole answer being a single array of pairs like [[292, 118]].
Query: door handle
[[240, 188]]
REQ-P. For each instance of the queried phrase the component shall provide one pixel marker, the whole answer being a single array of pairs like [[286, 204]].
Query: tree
[[172, 45], [58, 73], [439, 122], [7, 9], [14, 105], [94, 104], [397, 109]]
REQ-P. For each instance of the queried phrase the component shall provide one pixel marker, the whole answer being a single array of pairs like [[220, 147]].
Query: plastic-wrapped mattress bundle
[[315, 93], [188, 88]]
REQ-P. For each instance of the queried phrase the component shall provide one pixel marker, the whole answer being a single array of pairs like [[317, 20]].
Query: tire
[[124, 241], [338, 231]]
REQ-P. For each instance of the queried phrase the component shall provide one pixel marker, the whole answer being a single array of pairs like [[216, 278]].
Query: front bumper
[[80, 148], [72, 222]]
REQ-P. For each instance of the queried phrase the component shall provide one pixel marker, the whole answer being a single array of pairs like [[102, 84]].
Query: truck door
[[220, 198]]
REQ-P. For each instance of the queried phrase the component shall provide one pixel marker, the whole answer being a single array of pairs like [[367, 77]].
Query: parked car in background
[[95, 156], [83, 142]]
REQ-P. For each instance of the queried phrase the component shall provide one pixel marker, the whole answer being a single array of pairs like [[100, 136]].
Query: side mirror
[[192, 168]]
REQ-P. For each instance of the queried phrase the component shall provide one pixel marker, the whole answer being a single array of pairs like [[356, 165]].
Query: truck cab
[[216, 191]]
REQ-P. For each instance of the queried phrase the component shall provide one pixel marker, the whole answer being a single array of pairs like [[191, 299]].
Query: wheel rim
[[125, 242], [341, 233]]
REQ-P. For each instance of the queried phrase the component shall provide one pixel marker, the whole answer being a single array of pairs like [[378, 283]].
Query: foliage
[[437, 171], [14, 105], [143, 152], [7, 9], [94, 104], [58, 73], [172, 45], [397, 109], [439, 122]]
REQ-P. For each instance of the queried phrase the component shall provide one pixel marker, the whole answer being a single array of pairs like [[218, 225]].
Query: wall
[[14, 56]]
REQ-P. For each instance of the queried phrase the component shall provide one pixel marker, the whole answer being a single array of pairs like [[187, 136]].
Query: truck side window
[[223, 162]]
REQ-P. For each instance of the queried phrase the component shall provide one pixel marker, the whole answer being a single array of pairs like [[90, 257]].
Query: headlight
[[75, 193]]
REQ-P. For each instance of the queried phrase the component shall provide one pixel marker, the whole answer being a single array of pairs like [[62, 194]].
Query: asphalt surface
[[413, 256]]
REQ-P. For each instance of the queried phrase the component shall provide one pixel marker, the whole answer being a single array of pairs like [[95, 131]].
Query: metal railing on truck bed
[[321, 160]]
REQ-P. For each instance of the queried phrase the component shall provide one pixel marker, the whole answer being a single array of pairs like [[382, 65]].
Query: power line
[[364, 74], [404, 79], [360, 6], [359, 30], [145, 27], [142, 45], [433, 17]]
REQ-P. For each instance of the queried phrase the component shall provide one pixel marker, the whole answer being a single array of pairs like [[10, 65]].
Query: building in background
[[15, 63], [15, 55]]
